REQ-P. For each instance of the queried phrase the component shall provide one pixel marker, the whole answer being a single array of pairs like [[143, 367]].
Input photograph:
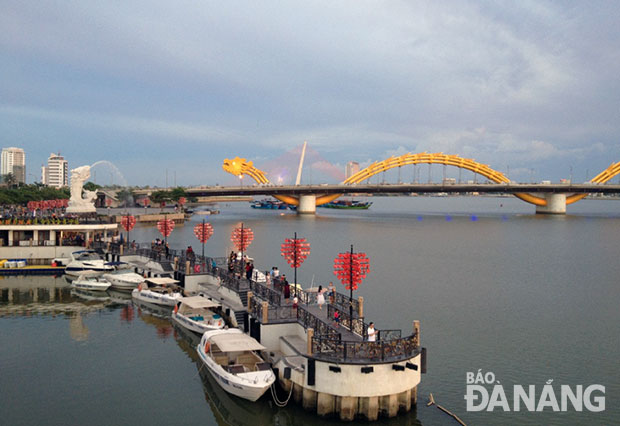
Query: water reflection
[[78, 330], [157, 316]]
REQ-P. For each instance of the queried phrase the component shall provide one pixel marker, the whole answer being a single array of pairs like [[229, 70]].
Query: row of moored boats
[[232, 357]]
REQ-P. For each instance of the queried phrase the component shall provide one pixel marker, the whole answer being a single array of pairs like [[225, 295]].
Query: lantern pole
[[127, 221], [165, 231], [242, 252], [203, 243], [351, 292]]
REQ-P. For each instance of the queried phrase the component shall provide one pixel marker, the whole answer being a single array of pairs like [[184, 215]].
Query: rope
[[454, 416], [279, 403]]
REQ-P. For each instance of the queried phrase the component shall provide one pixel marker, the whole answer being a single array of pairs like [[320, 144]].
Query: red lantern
[[182, 201], [165, 226], [30, 205], [351, 269], [128, 222], [295, 251], [203, 231], [242, 237]]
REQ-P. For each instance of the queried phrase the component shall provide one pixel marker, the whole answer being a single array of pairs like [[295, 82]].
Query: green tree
[[90, 186]]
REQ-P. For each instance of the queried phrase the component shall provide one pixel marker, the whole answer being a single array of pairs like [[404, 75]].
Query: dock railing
[[333, 349], [359, 327]]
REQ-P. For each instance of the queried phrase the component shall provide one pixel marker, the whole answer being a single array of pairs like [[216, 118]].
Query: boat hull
[[127, 281], [230, 383], [95, 286], [155, 298], [195, 326]]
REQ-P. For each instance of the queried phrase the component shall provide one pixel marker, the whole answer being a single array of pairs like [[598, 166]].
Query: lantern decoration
[[203, 232], [128, 222], [295, 251], [242, 237], [182, 201], [165, 227], [351, 268]]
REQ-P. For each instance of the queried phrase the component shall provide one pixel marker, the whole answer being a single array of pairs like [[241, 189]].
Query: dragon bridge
[[240, 166]]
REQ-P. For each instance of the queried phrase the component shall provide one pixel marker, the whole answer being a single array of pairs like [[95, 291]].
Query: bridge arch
[[240, 166]]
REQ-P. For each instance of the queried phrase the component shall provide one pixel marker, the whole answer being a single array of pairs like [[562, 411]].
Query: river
[[532, 299]]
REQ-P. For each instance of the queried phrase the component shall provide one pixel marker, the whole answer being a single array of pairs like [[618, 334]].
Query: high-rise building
[[352, 168], [56, 173], [13, 162]]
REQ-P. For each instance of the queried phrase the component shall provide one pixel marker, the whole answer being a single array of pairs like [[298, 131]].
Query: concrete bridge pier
[[556, 204], [307, 204]]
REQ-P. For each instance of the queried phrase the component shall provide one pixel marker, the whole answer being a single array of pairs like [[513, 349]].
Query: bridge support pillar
[[556, 204], [307, 204]]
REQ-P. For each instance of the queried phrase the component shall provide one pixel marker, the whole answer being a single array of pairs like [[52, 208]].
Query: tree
[[90, 186], [9, 179]]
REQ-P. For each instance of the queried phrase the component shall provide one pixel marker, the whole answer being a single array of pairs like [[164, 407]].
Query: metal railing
[[333, 349], [357, 326]]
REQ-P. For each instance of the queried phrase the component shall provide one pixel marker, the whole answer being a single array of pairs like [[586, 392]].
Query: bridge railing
[[328, 348], [263, 291], [357, 326], [343, 302], [275, 314]]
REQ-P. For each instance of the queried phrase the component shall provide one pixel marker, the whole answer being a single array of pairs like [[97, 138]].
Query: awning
[[236, 342], [197, 302], [161, 281]]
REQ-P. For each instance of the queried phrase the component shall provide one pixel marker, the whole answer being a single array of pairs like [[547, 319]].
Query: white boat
[[232, 361], [124, 280], [158, 291], [89, 281], [86, 260], [195, 314]]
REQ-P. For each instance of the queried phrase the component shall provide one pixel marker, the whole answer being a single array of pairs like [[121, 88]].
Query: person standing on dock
[[320, 297], [372, 333], [332, 293], [286, 288]]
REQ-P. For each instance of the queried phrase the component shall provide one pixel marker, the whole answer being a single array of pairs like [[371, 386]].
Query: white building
[[352, 168], [56, 173], [14, 162]]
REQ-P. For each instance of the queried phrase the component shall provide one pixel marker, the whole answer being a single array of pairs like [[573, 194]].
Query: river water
[[532, 299]]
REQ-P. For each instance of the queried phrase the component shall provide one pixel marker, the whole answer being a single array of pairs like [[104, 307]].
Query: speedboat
[[195, 314], [158, 291], [124, 280], [87, 281], [232, 361], [87, 260]]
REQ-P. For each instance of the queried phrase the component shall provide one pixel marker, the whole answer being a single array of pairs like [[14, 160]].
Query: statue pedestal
[[81, 208]]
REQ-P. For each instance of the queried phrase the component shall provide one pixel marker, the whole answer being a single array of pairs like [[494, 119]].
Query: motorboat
[[195, 313], [231, 357], [87, 260], [158, 291], [124, 280], [90, 281]]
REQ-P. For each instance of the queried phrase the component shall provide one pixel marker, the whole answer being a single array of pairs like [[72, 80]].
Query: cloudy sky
[[530, 88]]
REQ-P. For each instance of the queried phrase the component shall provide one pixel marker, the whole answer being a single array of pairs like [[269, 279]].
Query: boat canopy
[[161, 281], [236, 342], [197, 302]]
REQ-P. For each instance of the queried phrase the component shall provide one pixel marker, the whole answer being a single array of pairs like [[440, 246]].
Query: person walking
[[320, 297]]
